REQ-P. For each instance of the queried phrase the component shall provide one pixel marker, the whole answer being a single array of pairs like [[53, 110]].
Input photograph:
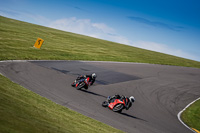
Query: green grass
[[17, 40], [191, 116], [26, 112], [21, 109]]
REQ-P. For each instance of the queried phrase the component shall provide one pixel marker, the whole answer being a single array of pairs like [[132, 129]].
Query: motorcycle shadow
[[93, 93], [125, 114]]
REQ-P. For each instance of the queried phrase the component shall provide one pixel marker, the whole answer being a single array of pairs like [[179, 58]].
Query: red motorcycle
[[117, 105]]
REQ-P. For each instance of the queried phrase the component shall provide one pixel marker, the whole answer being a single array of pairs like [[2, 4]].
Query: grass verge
[[26, 112], [191, 116], [17, 40]]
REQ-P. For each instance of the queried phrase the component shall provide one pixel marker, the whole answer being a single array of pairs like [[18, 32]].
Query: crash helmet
[[94, 75], [132, 99]]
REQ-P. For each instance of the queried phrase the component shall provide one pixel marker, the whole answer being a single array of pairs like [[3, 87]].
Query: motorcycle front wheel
[[73, 84], [105, 104]]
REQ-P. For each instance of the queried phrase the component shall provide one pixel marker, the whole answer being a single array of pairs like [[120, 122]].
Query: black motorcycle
[[80, 83]]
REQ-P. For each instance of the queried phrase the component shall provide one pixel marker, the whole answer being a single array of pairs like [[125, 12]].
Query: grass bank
[[17, 40], [26, 112]]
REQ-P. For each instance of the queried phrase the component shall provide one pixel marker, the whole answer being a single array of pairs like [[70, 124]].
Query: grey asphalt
[[160, 91]]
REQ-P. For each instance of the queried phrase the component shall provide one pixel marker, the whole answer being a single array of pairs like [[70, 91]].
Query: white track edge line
[[94, 62], [75, 60], [179, 114]]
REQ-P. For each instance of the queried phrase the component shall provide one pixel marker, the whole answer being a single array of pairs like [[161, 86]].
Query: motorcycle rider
[[90, 79], [131, 100]]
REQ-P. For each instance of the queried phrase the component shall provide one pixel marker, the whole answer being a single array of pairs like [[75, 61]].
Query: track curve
[[160, 91]]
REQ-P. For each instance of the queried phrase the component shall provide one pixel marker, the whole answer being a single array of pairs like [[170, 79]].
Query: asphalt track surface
[[160, 91]]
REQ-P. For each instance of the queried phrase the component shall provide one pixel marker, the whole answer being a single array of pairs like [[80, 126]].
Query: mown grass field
[[17, 40], [21, 108]]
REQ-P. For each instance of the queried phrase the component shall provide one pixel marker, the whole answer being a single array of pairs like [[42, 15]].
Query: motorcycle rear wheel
[[81, 85], [118, 108]]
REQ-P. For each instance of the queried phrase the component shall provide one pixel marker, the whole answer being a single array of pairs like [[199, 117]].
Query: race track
[[160, 91]]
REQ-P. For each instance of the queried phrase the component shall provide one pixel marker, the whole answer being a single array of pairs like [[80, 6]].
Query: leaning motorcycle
[[80, 83], [116, 105]]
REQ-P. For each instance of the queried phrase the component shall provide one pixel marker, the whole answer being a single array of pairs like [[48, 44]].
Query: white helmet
[[94, 75], [132, 99]]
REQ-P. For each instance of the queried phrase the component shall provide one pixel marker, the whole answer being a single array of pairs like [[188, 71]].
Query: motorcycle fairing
[[115, 102]]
